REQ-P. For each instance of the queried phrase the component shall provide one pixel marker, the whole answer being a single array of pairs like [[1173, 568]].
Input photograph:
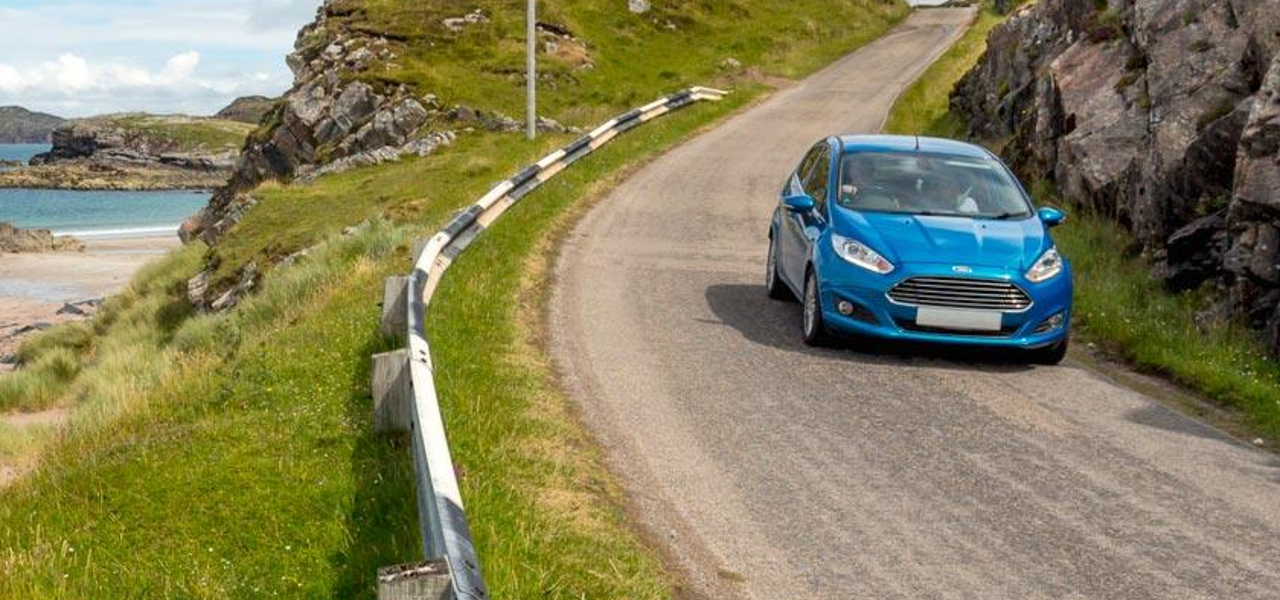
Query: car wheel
[[772, 282], [1051, 355], [815, 330]]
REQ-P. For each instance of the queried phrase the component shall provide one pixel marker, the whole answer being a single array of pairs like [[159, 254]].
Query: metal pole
[[531, 110]]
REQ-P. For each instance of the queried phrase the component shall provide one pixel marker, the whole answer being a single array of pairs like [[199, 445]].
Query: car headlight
[[859, 254], [1049, 265]]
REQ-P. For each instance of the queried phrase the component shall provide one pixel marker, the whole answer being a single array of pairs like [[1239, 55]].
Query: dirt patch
[[47, 418], [19, 454]]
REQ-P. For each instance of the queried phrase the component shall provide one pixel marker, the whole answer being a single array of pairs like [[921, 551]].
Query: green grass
[[635, 59], [1120, 305], [923, 109], [532, 477], [676, 44], [1117, 303], [232, 455], [290, 218], [245, 466], [187, 134]]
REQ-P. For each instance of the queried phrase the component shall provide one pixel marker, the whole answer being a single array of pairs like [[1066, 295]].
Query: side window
[[797, 182], [818, 178]]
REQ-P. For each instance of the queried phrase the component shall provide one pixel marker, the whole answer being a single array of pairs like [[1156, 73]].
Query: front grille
[[959, 292]]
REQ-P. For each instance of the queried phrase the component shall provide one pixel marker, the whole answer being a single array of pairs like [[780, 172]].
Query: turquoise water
[[94, 214], [100, 214], [22, 152]]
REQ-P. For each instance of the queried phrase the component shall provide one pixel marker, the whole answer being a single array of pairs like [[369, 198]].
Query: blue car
[[921, 240]]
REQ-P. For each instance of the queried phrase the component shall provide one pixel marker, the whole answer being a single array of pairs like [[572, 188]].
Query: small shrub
[[1126, 81], [1107, 25]]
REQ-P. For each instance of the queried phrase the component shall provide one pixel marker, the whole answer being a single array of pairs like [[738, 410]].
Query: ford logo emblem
[[962, 270]]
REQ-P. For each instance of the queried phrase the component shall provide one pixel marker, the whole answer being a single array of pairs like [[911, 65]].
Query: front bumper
[[877, 316]]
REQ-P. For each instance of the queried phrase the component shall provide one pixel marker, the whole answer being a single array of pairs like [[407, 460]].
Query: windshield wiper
[[1008, 215]]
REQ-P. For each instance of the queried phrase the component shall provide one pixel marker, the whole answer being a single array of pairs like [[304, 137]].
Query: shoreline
[[35, 286], [6, 185]]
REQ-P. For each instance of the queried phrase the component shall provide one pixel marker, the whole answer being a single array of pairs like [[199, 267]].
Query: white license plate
[[959, 319]]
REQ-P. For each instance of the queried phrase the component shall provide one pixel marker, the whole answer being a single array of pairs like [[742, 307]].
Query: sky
[[76, 58]]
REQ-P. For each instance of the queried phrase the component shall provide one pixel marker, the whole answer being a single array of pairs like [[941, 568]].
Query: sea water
[[94, 215], [22, 152], [100, 215]]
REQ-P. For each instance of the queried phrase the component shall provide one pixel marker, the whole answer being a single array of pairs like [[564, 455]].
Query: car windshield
[[930, 184]]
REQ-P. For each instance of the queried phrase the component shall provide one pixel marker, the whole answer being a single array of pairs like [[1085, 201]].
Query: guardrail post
[[395, 299], [422, 581], [392, 392]]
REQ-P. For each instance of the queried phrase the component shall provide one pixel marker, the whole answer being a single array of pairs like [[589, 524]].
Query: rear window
[[930, 184]]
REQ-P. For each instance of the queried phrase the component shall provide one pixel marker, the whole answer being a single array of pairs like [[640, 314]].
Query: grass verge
[[924, 107], [1117, 303], [240, 460]]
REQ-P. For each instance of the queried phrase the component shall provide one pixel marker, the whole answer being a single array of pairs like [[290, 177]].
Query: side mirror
[[1051, 217], [800, 203]]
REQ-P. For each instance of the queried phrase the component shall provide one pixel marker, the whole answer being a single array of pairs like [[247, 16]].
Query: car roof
[[910, 143]]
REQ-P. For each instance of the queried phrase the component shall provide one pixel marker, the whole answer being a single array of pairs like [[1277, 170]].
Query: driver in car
[[953, 196], [860, 190]]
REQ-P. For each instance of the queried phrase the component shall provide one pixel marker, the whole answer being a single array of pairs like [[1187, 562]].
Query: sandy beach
[[33, 287]]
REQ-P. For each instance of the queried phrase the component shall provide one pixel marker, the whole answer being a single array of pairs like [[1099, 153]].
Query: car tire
[[812, 324], [773, 283], [1051, 355]]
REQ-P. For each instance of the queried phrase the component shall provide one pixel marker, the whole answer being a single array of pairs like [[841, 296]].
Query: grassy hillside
[[1117, 303], [190, 134], [21, 126], [232, 455]]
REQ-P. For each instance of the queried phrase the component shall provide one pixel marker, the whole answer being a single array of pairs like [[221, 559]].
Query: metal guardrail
[[451, 568]]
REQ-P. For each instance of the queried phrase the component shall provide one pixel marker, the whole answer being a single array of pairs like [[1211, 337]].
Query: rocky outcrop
[[326, 117], [125, 140], [247, 109], [343, 113], [135, 152], [13, 239], [21, 126], [1164, 115]]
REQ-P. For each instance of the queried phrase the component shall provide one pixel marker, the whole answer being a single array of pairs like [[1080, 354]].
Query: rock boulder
[[1163, 115]]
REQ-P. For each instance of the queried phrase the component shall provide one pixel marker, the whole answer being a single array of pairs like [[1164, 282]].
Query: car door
[[805, 228], [792, 250]]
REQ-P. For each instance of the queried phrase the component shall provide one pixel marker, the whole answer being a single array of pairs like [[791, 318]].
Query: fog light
[[845, 307], [1051, 323]]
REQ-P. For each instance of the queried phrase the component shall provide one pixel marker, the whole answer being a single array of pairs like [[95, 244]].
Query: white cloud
[[81, 57], [79, 86]]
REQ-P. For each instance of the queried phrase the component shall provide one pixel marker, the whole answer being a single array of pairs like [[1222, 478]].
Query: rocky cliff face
[[1162, 113], [21, 126], [339, 115]]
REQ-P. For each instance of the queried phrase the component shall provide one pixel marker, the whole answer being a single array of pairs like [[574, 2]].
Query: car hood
[[1014, 244]]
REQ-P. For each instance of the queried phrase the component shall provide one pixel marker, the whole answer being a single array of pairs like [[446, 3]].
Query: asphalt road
[[766, 469]]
